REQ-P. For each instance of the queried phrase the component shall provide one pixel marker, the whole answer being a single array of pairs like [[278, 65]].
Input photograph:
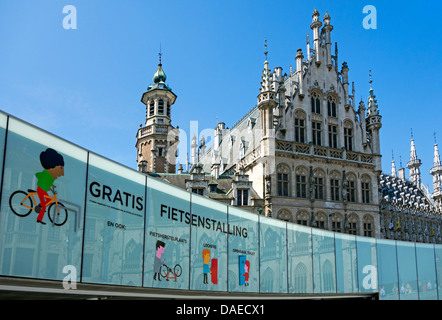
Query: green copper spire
[[159, 76]]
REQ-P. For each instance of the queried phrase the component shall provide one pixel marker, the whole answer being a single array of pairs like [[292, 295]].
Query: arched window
[[368, 225], [316, 102], [353, 222], [321, 220], [300, 277], [301, 182], [328, 280], [284, 215], [300, 126], [348, 135], [318, 184], [333, 136], [283, 174], [336, 222], [331, 105], [316, 132], [365, 188], [351, 187], [335, 190], [302, 218]]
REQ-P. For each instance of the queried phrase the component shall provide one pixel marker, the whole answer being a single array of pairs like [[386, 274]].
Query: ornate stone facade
[[309, 149], [308, 152]]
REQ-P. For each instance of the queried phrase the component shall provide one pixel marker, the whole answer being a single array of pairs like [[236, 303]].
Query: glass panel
[[387, 269], [3, 123], [346, 266], [113, 242], [406, 257], [243, 252], [209, 229], [300, 263], [273, 250], [438, 259], [166, 263], [367, 264], [35, 163], [324, 271], [426, 271]]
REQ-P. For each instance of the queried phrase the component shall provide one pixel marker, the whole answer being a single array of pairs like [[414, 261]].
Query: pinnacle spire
[[393, 166], [265, 48], [436, 159], [436, 172], [372, 102], [414, 163], [266, 76], [413, 155]]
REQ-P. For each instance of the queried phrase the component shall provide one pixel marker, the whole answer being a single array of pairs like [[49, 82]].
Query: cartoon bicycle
[[23, 203], [167, 272]]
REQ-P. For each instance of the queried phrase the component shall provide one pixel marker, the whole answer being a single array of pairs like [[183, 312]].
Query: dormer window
[[242, 197]]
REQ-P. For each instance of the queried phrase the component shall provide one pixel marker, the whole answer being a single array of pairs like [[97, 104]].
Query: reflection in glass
[[438, 259], [406, 257], [346, 265], [367, 264], [300, 264], [273, 251], [387, 269], [324, 271], [426, 271]]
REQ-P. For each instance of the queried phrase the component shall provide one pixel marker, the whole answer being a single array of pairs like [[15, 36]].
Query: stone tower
[[157, 140]]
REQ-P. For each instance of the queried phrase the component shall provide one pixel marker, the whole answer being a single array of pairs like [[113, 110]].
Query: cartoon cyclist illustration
[[159, 250], [53, 164]]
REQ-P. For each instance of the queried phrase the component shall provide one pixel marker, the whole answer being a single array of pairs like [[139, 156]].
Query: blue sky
[[85, 85]]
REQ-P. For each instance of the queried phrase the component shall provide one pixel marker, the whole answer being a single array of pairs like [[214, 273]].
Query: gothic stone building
[[306, 153]]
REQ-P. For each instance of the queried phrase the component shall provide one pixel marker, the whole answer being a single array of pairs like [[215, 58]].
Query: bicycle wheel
[[163, 271], [20, 205], [58, 218], [177, 270]]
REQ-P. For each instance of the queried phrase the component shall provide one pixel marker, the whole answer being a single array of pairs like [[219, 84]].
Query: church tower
[[157, 140]]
